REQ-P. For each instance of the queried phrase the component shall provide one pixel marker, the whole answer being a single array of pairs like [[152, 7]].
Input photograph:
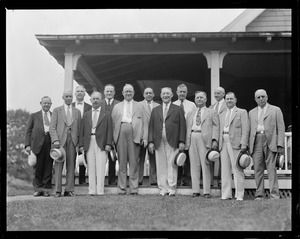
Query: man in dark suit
[[64, 131], [37, 140], [147, 104], [95, 141], [109, 103], [83, 107], [167, 135], [219, 107]]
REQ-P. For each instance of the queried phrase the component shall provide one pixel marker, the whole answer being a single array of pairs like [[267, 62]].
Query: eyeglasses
[[261, 96]]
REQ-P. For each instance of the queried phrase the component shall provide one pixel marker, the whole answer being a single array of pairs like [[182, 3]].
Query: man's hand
[[81, 149], [181, 146], [151, 148], [56, 145], [214, 145], [28, 149], [107, 148], [280, 149]]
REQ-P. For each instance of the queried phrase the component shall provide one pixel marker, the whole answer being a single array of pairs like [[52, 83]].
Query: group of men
[[136, 129]]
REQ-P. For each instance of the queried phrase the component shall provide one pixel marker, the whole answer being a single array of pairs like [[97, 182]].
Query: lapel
[[73, 114], [223, 107], [63, 113], [89, 118], [145, 104], [171, 109], [41, 117], [192, 115], [233, 115], [160, 112], [101, 116], [268, 111], [205, 115], [255, 113], [134, 106]]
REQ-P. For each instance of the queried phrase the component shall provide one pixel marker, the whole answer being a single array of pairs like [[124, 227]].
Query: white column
[[68, 72], [214, 62]]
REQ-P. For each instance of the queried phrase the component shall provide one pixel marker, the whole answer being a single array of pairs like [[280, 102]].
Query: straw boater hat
[[179, 159], [59, 155], [32, 159], [112, 154], [212, 155], [243, 160], [279, 160]]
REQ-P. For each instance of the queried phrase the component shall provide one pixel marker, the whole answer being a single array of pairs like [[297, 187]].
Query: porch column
[[70, 65], [214, 62]]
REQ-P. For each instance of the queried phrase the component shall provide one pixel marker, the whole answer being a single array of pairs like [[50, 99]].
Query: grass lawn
[[148, 212]]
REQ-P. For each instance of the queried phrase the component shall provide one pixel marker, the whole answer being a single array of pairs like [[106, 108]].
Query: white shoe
[[239, 199]]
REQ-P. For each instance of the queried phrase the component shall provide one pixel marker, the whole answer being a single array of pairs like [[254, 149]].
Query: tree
[[17, 165]]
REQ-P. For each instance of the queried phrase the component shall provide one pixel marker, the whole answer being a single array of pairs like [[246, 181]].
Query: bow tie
[[79, 103]]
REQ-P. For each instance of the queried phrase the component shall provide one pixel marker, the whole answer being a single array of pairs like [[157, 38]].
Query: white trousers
[[96, 167], [166, 172], [228, 164]]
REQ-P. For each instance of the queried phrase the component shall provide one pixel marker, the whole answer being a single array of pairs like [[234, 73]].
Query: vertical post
[[214, 62], [68, 85]]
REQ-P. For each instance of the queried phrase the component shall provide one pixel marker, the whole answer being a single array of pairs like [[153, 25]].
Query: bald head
[[68, 97], [219, 93]]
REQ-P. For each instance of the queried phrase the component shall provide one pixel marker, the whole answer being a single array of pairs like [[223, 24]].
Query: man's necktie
[[95, 118], [47, 123], [261, 117], [198, 117], [68, 116], [217, 107], [227, 120], [182, 106], [108, 104], [165, 112]]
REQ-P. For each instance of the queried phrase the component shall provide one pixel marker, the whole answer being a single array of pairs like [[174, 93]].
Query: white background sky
[[33, 73]]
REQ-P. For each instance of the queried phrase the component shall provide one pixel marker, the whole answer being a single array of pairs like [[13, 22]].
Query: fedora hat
[[59, 155], [81, 159], [279, 160], [179, 159], [112, 154], [243, 160], [212, 155], [32, 159]]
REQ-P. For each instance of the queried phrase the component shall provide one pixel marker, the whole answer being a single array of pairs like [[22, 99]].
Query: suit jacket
[[103, 131], [139, 124], [58, 125], [34, 132], [238, 128], [112, 104], [175, 124], [209, 127], [273, 124], [86, 107], [222, 109], [147, 111]]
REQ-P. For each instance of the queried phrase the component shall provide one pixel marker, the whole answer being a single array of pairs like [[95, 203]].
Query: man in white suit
[[129, 132], [148, 104], [202, 134], [234, 134], [267, 131]]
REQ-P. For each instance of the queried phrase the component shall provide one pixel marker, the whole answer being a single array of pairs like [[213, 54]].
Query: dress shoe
[[153, 184], [207, 195], [134, 193], [239, 199], [171, 194], [92, 194], [225, 198], [259, 198], [140, 183], [196, 195], [58, 194], [37, 194], [69, 194], [163, 194], [46, 194]]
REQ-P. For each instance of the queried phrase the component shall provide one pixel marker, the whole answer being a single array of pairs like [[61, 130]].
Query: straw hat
[[279, 160], [212, 155], [59, 155], [32, 159], [243, 160], [179, 159]]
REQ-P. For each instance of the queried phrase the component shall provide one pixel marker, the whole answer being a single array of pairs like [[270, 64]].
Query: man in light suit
[[109, 103], [64, 131], [184, 172], [267, 131], [129, 132], [95, 141], [234, 136], [202, 134], [148, 104], [37, 140], [219, 107], [83, 107], [167, 134]]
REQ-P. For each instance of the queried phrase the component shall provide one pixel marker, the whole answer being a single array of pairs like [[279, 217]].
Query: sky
[[33, 73]]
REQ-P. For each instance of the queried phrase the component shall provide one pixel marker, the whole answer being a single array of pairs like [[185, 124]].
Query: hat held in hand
[[59, 155], [212, 155], [32, 159]]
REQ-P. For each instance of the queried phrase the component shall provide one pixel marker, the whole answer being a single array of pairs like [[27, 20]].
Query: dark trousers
[[184, 172], [111, 172], [152, 166], [81, 174], [43, 168]]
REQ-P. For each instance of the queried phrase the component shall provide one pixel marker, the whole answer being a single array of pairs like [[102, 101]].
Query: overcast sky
[[33, 73]]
